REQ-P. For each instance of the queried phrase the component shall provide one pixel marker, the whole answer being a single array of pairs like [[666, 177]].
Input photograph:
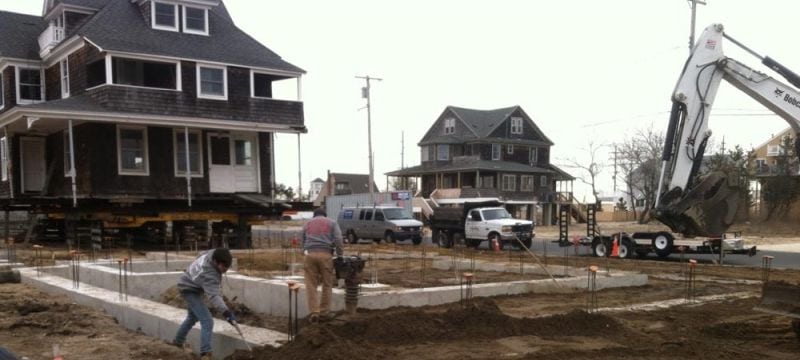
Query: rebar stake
[[292, 314], [690, 280], [766, 267], [592, 288], [465, 287], [125, 277], [37, 261]]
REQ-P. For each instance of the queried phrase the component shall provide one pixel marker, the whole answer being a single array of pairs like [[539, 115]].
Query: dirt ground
[[529, 326]]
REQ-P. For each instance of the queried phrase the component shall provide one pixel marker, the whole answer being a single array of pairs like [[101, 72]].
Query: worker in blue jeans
[[204, 276]]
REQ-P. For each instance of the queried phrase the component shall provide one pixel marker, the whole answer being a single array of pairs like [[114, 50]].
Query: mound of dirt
[[369, 335]]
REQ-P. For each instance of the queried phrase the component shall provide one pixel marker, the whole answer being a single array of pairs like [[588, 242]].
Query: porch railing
[[51, 37]]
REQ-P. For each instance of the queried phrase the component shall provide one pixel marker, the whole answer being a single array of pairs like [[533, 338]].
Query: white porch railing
[[50, 38]]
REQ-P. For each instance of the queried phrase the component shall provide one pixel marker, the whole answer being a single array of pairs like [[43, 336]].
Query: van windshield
[[396, 214], [494, 214]]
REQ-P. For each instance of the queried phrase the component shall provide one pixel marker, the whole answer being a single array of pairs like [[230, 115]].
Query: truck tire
[[662, 244], [599, 247], [351, 237], [496, 236], [388, 237], [417, 240], [527, 243], [626, 249], [441, 239]]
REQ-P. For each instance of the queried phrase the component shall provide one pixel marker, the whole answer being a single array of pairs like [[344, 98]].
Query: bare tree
[[639, 168], [589, 171]]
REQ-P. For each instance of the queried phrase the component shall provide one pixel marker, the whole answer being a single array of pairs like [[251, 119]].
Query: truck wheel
[[388, 237], [626, 249], [442, 239], [351, 237], [599, 248], [662, 244], [527, 243], [417, 240]]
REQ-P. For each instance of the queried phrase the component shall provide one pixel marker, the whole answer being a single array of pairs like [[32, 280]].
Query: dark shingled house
[[122, 113], [489, 153]]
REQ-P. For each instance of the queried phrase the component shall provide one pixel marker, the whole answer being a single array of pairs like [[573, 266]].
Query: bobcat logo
[[778, 92]]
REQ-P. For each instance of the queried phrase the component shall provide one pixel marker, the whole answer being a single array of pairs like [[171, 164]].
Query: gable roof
[[23, 44], [120, 26], [358, 182], [481, 124], [772, 137]]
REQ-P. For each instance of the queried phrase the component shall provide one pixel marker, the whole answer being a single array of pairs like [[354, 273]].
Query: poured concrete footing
[[152, 318]]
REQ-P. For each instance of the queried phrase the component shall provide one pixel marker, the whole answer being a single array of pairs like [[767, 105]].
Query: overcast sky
[[582, 69]]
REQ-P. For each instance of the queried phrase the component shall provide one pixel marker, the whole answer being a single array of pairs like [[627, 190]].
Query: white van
[[390, 223]]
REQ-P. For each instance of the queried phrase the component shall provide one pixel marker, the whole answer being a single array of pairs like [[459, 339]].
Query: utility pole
[[365, 93], [694, 19], [299, 172]]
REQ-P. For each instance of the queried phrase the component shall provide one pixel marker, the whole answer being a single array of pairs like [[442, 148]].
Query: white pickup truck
[[475, 222]]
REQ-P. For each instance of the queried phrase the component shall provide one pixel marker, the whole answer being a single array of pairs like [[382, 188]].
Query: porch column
[[477, 179], [188, 165], [458, 181], [72, 173], [9, 173]]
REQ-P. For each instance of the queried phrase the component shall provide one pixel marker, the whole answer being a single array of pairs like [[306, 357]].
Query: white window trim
[[448, 153], [543, 180], [533, 155], [516, 125], [121, 171], [178, 173], [253, 84], [499, 152], [449, 126], [21, 101], [193, 31], [153, 16], [512, 181], [224, 82], [523, 187], [510, 149], [64, 76], [110, 72]]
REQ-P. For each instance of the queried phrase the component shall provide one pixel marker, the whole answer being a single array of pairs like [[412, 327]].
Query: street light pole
[[365, 93], [694, 18]]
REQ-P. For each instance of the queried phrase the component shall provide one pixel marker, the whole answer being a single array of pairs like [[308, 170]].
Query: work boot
[[206, 356], [325, 317], [184, 346]]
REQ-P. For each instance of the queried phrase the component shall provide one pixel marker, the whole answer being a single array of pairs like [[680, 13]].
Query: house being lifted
[[140, 115]]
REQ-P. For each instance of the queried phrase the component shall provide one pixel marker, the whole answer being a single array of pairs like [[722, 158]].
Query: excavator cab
[[706, 209]]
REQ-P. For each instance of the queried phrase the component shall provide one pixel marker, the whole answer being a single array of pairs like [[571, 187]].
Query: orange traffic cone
[[495, 245], [614, 248]]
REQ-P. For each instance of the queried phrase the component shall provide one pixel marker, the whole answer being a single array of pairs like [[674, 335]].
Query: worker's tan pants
[[318, 267]]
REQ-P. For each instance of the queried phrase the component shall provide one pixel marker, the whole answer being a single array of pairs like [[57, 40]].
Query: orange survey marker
[[614, 248]]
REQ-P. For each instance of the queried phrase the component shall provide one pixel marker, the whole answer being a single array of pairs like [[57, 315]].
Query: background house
[[500, 152], [315, 188], [344, 184]]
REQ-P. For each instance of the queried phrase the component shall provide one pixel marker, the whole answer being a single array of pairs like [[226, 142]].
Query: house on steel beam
[[140, 112], [497, 153]]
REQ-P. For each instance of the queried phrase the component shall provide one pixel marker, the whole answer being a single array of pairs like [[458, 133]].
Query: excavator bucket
[[780, 298], [707, 209]]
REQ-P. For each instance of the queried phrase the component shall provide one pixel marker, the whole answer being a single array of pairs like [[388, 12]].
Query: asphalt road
[[782, 259]]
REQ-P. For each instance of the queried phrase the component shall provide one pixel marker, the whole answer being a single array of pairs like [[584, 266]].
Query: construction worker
[[320, 238], [203, 276]]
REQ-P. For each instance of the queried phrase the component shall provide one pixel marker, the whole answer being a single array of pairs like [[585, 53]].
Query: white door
[[32, 164], [234, 163], [472, 225], [220, 169]]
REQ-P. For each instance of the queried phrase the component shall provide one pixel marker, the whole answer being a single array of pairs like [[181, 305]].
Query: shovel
[[236, 326]]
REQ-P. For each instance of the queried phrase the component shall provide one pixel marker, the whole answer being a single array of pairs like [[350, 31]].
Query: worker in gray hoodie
[[321, 237], [204, 276]]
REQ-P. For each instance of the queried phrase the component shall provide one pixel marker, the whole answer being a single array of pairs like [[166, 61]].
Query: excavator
[[706, 205]]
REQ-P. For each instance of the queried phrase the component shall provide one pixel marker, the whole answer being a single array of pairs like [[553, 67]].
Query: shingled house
[[344, 184], [128, 112], [489, 153]]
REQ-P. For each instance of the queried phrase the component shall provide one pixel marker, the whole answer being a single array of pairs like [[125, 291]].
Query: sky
[[584, 70]]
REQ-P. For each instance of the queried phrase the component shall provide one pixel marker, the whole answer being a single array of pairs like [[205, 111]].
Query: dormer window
[[516, 125], [195, 20], [449, 126], [165, 16]]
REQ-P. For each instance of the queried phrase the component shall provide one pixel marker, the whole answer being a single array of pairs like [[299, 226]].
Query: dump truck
[[471, 223]]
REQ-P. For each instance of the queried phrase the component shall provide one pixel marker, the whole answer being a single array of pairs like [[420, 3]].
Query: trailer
[[662, 243]]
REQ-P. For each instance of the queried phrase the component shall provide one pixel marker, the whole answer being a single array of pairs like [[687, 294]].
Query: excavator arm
[[706, 205]]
